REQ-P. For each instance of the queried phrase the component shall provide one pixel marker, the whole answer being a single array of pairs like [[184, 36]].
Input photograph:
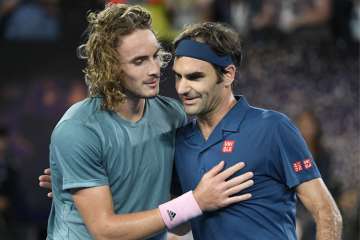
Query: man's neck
[[208, 122], [132, 109]]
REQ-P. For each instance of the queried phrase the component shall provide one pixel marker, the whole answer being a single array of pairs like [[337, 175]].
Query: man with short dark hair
[[226, 128]]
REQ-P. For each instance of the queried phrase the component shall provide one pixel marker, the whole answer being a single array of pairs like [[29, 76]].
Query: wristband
[[179, 210]]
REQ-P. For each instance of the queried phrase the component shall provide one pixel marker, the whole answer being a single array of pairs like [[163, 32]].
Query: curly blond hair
[[106, 28]]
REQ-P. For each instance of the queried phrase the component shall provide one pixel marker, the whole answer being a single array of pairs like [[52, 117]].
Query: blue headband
[[202, 51]]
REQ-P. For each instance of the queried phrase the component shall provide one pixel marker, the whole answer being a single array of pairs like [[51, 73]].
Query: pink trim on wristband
[[179, 210]]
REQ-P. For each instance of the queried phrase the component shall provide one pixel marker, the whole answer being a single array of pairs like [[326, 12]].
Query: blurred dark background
[[302, 58]]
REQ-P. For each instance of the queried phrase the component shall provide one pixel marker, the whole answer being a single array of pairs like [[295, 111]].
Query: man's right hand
[[45, 181], [217, 190]]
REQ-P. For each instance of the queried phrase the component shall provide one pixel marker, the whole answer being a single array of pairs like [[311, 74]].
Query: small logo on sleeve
[[228, 146], [171, 214], [297, 166], [307, 163]]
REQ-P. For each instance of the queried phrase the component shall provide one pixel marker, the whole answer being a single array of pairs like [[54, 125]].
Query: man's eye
[[138, 62], [194, 78]]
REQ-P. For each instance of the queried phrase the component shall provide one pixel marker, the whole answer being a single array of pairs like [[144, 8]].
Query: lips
[[152, 83], [189, 100]]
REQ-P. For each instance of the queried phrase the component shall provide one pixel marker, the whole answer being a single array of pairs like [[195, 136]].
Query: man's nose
[[182, 86], [154, 68]]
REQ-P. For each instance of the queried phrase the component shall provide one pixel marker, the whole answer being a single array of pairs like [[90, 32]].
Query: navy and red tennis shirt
[[270, 146]]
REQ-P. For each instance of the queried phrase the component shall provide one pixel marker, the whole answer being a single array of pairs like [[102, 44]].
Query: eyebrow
[[144, 56], [192, 75]]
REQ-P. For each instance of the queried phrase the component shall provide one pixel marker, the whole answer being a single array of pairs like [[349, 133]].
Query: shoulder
[[278, 125], [84, 110], [165, 109], [266, 117], [168, 104], [78, 121], [71, 130]]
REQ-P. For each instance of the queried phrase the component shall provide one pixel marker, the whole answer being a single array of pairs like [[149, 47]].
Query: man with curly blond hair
[[111, 155]]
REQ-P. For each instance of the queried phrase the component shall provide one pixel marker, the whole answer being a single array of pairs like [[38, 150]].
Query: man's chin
[[143, 95], [190, 111], [151, 95]]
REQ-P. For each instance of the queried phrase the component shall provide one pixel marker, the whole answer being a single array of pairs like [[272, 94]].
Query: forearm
[[318, 200], [96, 206], [104, 224], [328, 224], [129, 226]]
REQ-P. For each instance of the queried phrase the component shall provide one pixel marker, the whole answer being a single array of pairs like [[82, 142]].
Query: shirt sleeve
[[293, 163], [76, 150]]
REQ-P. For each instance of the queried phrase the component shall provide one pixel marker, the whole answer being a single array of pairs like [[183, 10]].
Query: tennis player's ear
[[229, 75]]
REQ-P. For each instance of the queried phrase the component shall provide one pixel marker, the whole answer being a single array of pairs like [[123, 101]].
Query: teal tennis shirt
[[92, 147]]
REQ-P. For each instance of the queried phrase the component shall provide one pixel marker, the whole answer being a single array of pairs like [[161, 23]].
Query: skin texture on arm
[[317, 199], [45, 182], [95, 204], [96, 208]]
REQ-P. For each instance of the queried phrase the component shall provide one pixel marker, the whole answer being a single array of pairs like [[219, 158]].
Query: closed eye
[[139, 60], [190, 76], [194, 76]]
